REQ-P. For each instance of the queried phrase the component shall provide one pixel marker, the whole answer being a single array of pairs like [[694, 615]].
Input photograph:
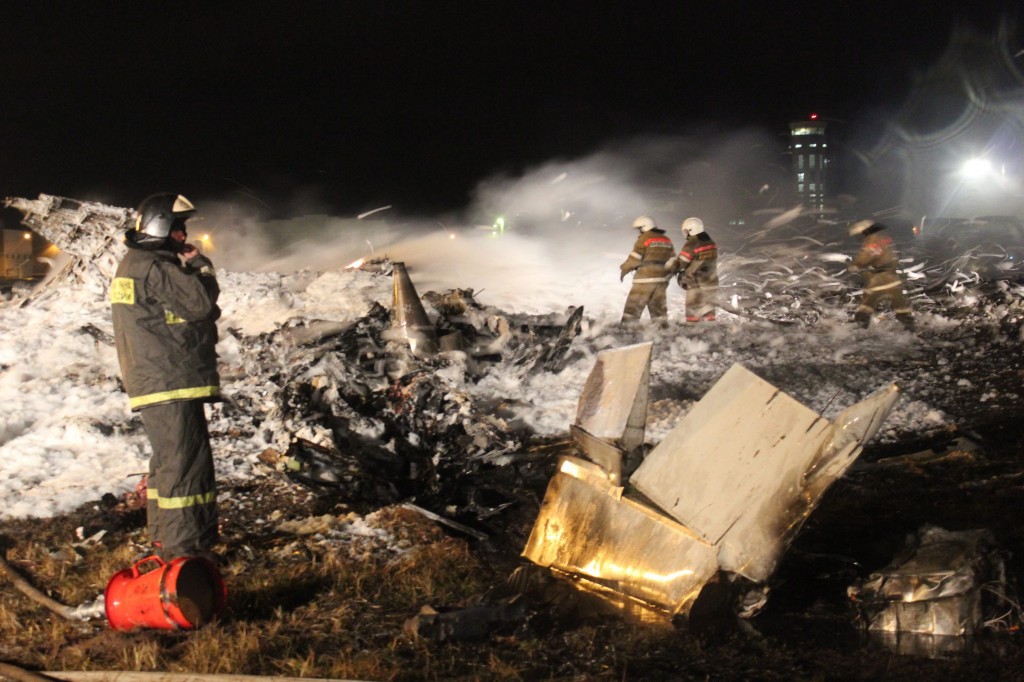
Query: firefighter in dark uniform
[[164, 313], [653, 259], [877, 262], [698, 271]]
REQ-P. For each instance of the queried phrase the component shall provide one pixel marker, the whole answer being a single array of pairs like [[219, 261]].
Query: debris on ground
[[726, 490], [942, 586], [89, 232], [355, 459]]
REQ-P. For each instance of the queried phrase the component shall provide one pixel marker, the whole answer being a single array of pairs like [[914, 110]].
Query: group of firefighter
[[164, 306], [655, 261], [695, 269]]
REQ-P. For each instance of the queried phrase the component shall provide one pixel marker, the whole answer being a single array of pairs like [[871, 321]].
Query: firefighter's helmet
[[159, 212], [860, 227], [692, 226], [645, 223]]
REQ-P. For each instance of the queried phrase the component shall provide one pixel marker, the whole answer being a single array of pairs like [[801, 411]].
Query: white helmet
[[860, 226], [645, 223], [692, 226]]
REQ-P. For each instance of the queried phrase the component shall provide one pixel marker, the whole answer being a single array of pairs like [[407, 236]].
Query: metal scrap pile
[[943, 585], [365, 406], [360, 406], [711, 509], [90, 233], [798, 274], [699, 503]]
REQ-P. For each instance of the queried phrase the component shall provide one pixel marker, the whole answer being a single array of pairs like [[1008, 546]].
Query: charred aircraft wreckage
[[368, 419]]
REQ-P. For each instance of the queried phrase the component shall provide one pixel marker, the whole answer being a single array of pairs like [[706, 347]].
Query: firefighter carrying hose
[[698, 271], [877, 262], [653, 258], [164, 314]]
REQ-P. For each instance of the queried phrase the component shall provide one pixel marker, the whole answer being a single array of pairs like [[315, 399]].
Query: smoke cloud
[[560, 229]]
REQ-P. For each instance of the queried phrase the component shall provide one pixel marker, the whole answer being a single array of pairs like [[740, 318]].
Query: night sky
[[351, 105]]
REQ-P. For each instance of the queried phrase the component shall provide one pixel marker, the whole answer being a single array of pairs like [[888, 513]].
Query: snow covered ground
[[67, 436]]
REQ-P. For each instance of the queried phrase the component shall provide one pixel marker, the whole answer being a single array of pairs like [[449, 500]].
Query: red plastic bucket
[[185, 593]]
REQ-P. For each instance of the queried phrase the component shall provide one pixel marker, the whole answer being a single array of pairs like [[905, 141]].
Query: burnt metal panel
[[587, 528], [613, 402]]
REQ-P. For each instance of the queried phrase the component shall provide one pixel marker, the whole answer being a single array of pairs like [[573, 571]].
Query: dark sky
[[352, 105]]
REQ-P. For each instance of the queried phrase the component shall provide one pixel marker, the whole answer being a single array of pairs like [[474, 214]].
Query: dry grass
[[297, 606], [333, 606]]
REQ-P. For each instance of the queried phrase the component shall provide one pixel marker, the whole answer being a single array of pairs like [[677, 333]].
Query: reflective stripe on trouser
[[881, 287], [701, 303], [650, 296], [181, 504]]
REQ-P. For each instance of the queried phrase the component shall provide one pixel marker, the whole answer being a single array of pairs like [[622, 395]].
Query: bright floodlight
[[975, 169]]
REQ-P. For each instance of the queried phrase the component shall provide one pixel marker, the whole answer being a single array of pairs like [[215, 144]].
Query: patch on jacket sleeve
[[122, 290], [171, 318]]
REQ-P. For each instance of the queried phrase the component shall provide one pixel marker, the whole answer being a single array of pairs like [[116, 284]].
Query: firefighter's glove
[[852, 268], [682, 280]]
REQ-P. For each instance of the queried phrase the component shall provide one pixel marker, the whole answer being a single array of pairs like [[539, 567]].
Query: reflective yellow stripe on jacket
[[176, 394]]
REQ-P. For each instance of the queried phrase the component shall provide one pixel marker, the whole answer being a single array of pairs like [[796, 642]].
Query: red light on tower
[[814, 117]]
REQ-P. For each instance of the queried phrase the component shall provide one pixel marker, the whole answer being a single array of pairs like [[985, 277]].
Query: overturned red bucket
[[185, 593]]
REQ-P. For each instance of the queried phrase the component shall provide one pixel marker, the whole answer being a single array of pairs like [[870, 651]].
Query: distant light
[[205, 238], [26, 236], [975, 169], [814, 117]]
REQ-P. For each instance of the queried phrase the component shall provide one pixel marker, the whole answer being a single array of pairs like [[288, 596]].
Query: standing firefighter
[[653, 258], [877, 262], [165, 312], [698, 271]]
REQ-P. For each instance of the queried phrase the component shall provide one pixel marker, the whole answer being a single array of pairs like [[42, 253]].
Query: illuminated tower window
[[809, 169]]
